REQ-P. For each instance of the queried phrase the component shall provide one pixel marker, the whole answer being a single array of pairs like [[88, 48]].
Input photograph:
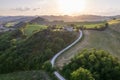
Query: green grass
[[9, 24], [91, 25], [27, 75], [32, 28], [108, 40], [111, 22]]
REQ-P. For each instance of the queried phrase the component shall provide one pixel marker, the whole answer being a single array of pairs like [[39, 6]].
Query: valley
[[59, 39]]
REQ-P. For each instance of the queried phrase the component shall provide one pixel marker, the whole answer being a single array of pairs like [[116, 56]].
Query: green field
[[9, 24], [111, 22], [108, 40], [98, 25], [90, 25], [32, 28], [27, 75]]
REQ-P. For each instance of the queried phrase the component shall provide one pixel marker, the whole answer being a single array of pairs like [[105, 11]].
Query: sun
[[69, 7]]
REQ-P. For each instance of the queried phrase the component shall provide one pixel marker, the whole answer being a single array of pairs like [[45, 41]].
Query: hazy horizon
[[59, 7]]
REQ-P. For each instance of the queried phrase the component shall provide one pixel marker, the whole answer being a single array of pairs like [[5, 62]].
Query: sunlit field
[[32, 28], [111, 22], [10, 24]]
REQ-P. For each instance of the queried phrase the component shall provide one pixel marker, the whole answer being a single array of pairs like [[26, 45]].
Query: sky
[[54, 7]]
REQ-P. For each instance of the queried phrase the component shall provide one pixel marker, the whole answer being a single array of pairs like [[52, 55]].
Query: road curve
[[59, 53], [59, 76]]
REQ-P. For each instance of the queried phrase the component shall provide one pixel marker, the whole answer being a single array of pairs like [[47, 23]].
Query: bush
[[47, 66]]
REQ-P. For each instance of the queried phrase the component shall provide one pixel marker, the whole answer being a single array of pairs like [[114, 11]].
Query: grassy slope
[[31, 28], [90, 25], [9, 24], [27, 75], [107, 40], [97, 25], [114, 21]]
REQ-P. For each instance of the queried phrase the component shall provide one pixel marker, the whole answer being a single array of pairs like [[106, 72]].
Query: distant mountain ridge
[[65, 18], [80, 18], [73, 19], [4, 19], [38, 20]]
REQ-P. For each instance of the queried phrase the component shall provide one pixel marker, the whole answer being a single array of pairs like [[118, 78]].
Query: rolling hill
[[108, 40], [80, 18]]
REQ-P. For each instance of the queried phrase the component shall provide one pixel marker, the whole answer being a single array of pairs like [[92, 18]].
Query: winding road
[[59, 53]]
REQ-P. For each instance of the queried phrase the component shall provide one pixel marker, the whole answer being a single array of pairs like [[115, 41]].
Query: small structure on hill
[[1, 27], [68, 28], [4, 29]]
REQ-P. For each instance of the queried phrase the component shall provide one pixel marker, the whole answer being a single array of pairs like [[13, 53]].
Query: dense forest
[[20, 53], [92, 65]]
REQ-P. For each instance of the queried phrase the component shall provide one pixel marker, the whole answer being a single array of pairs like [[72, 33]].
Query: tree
[[81, 74], [106, 24], [47, 66], [101, 64]]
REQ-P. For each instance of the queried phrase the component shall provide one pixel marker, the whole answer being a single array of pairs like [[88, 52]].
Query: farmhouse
[[68, 28], [1, 27]]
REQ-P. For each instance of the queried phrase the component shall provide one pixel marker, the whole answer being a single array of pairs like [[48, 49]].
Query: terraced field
[[107, 40]]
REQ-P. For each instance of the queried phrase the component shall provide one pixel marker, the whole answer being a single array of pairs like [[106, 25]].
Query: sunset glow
[[69, 7], [59, 7]]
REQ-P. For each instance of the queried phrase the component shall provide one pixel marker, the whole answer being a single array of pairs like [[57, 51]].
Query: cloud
[[35, 9], [22, 9], [26, 9]]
